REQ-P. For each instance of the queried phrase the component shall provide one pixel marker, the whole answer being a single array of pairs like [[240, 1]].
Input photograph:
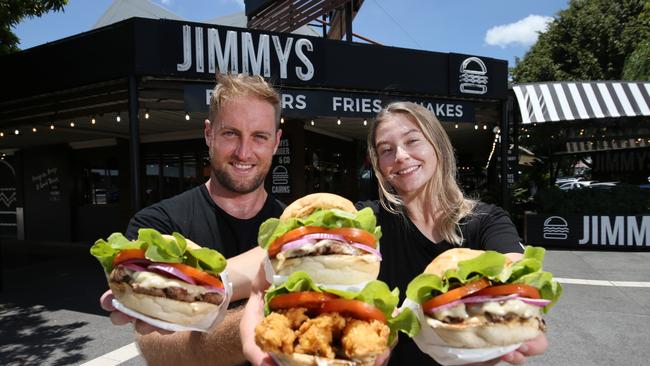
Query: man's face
[[242, 140]]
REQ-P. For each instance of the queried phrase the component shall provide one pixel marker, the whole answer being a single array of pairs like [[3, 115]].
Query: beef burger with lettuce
[[479, 299], [324, 235], [166, 277]]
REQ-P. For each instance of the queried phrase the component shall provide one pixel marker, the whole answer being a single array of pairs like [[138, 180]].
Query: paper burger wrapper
[[431, 344], [307, 360], [204, 325], [276, 279]]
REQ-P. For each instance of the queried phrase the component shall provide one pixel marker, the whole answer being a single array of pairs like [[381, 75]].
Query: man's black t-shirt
[[194, 215], [406, 252]]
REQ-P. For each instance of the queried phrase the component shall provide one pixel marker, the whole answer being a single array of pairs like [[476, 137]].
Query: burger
[[166, 277], [480, 299], [307, 324], [324, 235]]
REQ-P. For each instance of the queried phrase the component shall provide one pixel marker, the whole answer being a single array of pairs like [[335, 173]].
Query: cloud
[[523, 32]]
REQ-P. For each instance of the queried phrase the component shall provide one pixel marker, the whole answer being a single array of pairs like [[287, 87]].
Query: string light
[[118, 118], [281, 119], [456, 125], [187, 116], [34, 129], [312, 122], [146, 114], [51, 126], [93, 120], [475, 126], [2, 134], [365, 122], [16, 132], [338, 121], [72, 124], [485, 127]]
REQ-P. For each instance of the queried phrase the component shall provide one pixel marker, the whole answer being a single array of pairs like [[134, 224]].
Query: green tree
[[637, 65], [13, 12], [591, 40]]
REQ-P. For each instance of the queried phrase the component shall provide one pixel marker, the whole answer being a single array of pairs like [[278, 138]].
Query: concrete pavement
[[50, 314]]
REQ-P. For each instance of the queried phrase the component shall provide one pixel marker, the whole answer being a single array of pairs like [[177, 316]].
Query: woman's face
[[406, 159]]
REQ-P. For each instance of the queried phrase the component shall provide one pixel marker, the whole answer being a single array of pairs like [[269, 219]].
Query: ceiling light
[[338, 121], [475, 126], [51, 126], [2, 134], [312, 122], [365, 123], [93, 120], [16, 132], [281, 119], [72, 124], [118, 118], [146, 114], [456, 125], [33, 129], [187, 116]]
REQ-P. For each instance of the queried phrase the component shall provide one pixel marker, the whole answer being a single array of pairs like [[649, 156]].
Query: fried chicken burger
[[306, 324], [166, 277], [324, 235], [480, 299]]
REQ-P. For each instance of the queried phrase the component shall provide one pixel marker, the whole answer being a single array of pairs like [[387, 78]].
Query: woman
[[423, 212]]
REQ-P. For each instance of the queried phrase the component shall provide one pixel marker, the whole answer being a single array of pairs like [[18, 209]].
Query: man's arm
[[221, 346]]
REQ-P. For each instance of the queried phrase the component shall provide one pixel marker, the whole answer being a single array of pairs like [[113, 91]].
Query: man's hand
[[119, 318], [253, 315], [534, 347]]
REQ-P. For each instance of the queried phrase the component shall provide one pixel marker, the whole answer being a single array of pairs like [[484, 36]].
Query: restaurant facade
[[96, 126]]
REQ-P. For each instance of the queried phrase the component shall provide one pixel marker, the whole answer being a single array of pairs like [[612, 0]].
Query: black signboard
[[620, 232], [312, 103], [278, 181]]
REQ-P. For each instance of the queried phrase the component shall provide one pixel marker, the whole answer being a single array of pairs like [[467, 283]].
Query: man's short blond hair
[[231, 86]]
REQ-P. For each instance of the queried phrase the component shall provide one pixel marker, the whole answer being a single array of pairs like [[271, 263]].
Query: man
[[242, 134]]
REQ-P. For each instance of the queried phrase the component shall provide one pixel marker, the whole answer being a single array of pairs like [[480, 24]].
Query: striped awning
[[566, 101]]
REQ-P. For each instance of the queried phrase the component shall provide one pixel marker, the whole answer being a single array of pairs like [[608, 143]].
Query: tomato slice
[[455, 294], [355, 235], [127, 254], [292, 235], [353, 308], [515, 288], [350, 234], [305, 299], [198, 275]]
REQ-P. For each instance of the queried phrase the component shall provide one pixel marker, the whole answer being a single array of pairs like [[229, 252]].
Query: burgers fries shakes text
[[324, 235], [479, 299], [164, 277], [306, 323]]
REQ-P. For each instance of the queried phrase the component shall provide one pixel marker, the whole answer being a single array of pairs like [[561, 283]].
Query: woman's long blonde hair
[[443, 190]]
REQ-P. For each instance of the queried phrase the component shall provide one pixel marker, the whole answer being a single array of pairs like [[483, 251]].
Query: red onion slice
[[325, 236], [480, 299], [138, 261], [446, 306], [169, 270], [297, 244], [133, 267], [367, 249], [535, 302]]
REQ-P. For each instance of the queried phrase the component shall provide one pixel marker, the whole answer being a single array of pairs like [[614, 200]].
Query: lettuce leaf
[[375, 293], [491, 265], [158, 249], [364, 219]]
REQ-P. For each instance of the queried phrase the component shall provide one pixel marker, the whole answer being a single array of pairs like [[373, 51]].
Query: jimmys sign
[[589, 231]]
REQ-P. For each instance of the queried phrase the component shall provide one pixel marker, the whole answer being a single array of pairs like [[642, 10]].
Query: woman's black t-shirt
[[406, 252]]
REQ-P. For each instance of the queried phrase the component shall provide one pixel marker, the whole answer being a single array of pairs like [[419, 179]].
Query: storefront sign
[[280, 183], [310, 103], [589, 231]]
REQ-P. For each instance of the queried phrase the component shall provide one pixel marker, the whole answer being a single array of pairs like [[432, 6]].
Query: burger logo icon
[[473, 78], [555, 228]]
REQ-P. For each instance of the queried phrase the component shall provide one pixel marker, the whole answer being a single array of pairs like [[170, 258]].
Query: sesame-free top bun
[[304, 206], [449, 260]]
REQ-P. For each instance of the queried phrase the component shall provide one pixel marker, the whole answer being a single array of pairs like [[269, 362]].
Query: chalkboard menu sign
[[280, 182]]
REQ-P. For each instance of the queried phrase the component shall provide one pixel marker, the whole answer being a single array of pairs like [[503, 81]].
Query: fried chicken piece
[[362, 338], [296, 316], [315, 335], [274, 334]]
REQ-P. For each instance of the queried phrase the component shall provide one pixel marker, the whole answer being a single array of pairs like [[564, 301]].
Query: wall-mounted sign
[[312, 103], [625, 232], [280, 183]]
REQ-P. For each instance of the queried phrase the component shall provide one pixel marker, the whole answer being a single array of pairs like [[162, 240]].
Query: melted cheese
[[514, 306], [153, 280]]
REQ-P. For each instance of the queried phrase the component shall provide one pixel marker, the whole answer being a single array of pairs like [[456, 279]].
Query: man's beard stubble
[[242, 187]]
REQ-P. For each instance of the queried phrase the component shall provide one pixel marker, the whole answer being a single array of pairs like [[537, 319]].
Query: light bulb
[[187, 116], [365, 123], [456, 125], [71, 124], [118, 118], [281, 119], [33, 129], [16, 132], [2, 134], [93, 120], [146, 114], [312, 122], [475, 126], [485, 127], [338, 121], [51, 126]]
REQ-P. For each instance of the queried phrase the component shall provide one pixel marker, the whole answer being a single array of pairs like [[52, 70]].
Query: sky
[[503, 29]]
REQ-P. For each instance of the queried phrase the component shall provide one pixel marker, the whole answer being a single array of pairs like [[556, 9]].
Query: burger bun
[[337, 269], [304, 206], [485, 335]]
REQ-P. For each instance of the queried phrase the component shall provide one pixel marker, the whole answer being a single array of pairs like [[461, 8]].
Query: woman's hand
[[534, 347], [253, 315]]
